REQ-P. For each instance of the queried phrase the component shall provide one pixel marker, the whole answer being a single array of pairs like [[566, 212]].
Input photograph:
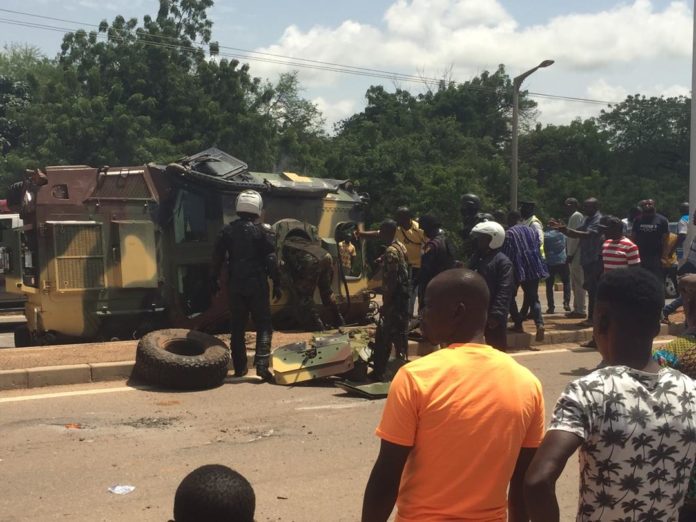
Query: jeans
[[673, 306], [592, 272], [563, 273], [531, 300]]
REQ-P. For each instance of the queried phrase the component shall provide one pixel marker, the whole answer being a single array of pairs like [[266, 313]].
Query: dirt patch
[[151, 422]]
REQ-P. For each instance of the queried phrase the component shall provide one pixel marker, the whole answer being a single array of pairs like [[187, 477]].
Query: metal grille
[[116, 186], [78, 240], [79, 254], [80, 273]]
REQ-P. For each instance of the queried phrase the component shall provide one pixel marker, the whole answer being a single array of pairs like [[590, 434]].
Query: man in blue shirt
[[555, 247], [523, 247], [591, 240]]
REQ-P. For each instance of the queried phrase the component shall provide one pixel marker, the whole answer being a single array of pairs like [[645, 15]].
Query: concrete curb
[[112, 371], [61, 375]]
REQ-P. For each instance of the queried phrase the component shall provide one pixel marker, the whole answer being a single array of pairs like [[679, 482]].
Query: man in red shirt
[[617, 251], [461, 424]]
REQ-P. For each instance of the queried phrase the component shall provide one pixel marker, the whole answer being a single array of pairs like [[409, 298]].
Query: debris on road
[[123, 489], [73, 426]]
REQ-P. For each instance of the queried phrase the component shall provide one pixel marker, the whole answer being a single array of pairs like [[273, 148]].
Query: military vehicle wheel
[[181, 359], [22, 336]]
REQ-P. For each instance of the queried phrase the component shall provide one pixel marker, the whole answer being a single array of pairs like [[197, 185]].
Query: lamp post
[[692, 143], [516, 83]]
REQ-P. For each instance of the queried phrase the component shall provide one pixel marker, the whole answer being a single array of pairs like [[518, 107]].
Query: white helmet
[[492, 229], [249, 201]]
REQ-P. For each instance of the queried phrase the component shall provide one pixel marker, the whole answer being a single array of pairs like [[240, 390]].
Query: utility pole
[[516, 84]]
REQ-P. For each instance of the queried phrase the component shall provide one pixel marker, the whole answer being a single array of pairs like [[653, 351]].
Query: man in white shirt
[[632, 421], [527, 209], [575, 219]]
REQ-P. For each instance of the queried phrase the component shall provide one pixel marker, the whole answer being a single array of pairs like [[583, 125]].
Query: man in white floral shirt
[[633, 421]]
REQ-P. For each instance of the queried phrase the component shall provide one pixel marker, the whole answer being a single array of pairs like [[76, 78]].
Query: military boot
[[265, 374], [263, 354]]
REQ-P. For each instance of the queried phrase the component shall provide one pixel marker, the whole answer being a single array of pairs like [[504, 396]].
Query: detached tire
[[181, 359]]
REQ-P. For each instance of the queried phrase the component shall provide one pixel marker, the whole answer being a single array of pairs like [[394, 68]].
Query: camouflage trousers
[[392, 330], [302, 298]]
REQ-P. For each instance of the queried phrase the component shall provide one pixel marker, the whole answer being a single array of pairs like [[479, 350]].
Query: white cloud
[[563, 111], [426, 37], [433, 34], [334, 111]]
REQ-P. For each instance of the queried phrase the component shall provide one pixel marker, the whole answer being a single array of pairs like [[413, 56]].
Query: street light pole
[[516, 84], [692, 143]]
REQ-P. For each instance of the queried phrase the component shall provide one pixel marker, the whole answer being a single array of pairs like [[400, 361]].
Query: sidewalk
[[96, 362]]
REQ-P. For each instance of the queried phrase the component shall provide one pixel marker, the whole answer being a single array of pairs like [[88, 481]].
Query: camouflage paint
[[106, 252]]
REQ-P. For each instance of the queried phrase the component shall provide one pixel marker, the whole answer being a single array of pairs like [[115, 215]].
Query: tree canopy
[[156, 89]]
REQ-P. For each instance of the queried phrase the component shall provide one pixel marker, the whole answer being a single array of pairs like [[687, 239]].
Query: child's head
[[627, 314], [612, 227], [214, 493]]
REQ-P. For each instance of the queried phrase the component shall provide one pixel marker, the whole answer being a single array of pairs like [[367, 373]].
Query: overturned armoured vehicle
[[116, 252]]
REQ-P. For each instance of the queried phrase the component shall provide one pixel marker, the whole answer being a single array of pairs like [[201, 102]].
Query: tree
[[649, 143]]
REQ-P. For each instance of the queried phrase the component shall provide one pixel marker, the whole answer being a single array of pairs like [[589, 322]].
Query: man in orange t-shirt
[[460, 424]]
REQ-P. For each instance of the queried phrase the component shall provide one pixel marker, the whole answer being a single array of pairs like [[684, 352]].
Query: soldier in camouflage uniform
[[309, 266], [393, 327]]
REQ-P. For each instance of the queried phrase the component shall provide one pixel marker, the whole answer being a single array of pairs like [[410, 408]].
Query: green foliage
[[131, 93], [634, 150], [157, 89]]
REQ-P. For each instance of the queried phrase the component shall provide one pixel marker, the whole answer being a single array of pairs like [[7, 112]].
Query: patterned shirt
[[395, 278], [639, 442], [522, 248], [619, 253], [346, 250], [680, 354]]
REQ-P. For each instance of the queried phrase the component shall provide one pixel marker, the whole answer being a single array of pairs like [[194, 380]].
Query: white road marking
[[332, 406], [65, 394]]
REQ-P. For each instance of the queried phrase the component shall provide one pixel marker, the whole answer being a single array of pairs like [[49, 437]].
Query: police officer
[[309, 266], [393, 327], [438, 254], [470, 210], [249, 246]]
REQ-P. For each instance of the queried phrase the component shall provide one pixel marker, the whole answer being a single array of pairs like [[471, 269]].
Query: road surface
[[307, 450]]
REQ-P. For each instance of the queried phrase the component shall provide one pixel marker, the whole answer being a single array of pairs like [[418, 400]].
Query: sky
[[603, 50]]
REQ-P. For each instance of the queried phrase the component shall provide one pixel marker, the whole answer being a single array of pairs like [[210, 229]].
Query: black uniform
[[496, 268], [251, 259], [438, 256]]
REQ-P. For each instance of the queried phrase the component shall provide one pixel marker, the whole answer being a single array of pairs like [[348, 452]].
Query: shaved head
[[456, 307]]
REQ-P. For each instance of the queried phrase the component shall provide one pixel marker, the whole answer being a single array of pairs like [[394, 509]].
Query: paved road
[[307, 450]]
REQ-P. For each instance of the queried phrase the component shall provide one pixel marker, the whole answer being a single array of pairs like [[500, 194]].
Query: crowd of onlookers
[[463, 433], [576, 252]]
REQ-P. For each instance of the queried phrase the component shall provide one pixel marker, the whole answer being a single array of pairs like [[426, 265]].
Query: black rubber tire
[[181, 359], [22, 337]]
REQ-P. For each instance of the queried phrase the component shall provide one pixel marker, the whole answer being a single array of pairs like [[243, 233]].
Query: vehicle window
[[350, 250], [194, 288], [189, 218]]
